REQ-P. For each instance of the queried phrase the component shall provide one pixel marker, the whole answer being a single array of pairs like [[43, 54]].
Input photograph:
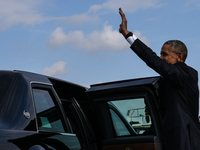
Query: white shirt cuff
[[131, 39]]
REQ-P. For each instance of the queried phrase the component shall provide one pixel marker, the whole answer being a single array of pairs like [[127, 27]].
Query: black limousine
[[39, 112]]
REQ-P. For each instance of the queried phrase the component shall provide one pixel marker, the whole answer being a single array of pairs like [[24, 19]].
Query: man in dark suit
[[178, 91]]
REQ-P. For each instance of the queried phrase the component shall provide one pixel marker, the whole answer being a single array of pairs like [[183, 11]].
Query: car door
[[54, 129], [128, 115]]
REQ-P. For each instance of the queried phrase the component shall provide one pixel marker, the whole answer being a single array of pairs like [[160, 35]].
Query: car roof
[[124, 84]]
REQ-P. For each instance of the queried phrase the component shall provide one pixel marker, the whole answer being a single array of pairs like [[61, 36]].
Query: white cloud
[[57, 38], [29, 12], [126, 5], [113, 5], [13, 12], [107, 39], [57, 69]]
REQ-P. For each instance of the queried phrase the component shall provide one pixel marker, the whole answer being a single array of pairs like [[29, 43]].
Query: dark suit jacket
[[179, 95]]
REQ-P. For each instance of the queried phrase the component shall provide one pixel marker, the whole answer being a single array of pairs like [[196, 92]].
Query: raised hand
[[123, 26]]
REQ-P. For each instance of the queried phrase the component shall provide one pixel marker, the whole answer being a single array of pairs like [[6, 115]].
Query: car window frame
[[131, 93], [57, 102], [100, 99]]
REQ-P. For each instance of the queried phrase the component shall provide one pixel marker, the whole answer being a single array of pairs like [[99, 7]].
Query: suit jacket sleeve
[[176, 73]]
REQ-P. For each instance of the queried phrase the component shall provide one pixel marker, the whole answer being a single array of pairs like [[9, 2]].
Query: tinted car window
[[135, 112], [47, 114], [119, 126]]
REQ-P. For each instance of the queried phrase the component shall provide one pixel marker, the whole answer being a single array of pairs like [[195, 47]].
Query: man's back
[[180, 92]]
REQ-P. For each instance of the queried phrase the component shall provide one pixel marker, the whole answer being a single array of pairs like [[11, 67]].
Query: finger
[[121, 12]]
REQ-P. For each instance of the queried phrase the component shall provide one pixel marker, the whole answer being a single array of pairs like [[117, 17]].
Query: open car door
[[127, 114]]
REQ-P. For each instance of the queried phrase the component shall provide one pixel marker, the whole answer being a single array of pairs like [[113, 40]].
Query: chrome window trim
[[36, 82]]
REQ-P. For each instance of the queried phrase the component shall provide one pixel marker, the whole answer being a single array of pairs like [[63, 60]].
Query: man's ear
[[180, 57]]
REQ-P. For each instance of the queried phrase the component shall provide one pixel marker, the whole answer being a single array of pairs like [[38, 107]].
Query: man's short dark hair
[[178, 47]]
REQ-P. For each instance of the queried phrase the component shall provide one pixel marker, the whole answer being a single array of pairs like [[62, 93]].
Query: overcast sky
[[78, 41]]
